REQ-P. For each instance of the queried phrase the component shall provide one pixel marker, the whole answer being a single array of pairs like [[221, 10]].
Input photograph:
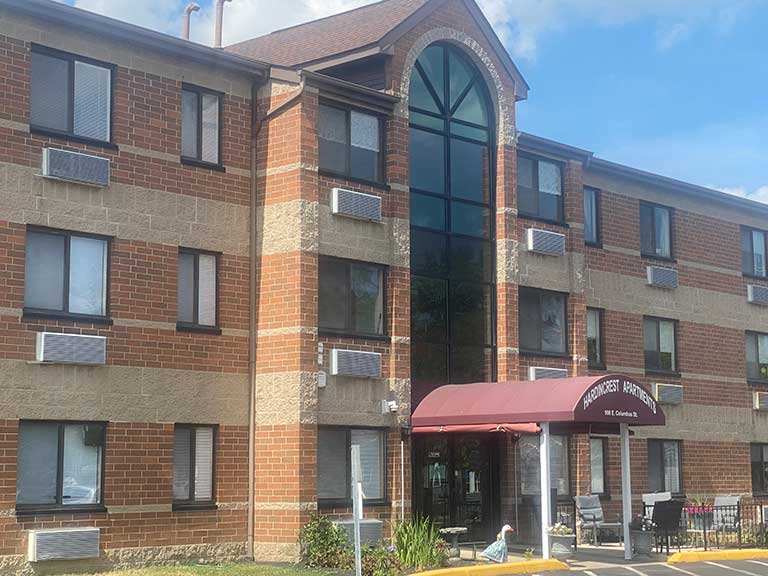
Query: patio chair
[[591, 516], [725, 516], [666, 517], [651, 498]]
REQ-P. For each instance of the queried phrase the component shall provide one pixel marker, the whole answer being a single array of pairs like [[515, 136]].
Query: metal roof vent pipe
[[219, 18], [191, 7]]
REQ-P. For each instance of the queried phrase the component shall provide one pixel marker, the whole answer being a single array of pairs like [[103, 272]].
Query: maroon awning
[[611, 399], [475, 428]]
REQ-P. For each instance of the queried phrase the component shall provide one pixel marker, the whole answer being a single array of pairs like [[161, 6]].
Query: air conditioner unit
[[761, 400], [56, 348], [545, 242], [63, 544], [75, 167], [668, 393], [662, 277], [370, 530], [757, 294], [542, 373], [355, 363], [356, 205]]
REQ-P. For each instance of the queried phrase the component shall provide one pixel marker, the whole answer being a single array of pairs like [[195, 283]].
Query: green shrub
[[418, 544], [325, 545], [379, 560]]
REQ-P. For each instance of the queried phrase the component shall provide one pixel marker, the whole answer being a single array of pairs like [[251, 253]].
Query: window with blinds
[[334, 463], [201, 112], [197, 289], [193, 465], [350, 143], [70, 95]]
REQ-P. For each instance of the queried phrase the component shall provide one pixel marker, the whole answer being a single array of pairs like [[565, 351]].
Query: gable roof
[[358, 33]]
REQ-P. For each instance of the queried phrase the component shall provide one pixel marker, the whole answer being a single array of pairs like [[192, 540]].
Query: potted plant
[[641, 530], [561, 539]]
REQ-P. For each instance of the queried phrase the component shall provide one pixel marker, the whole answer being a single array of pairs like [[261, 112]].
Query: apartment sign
[[619, 399]]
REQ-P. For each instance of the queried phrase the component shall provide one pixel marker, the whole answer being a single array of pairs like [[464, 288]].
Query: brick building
[[253, 330]]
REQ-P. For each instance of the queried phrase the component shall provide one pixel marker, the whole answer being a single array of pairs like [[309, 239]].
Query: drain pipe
[[191, 7]]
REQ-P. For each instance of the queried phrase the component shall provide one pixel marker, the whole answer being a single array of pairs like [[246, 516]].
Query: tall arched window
[[452, 220]]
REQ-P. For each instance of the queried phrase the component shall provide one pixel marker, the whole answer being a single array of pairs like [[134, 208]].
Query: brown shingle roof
[[329, 36]]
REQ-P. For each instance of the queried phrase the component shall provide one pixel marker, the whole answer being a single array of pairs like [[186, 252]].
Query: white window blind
[[597, 465], [92, 101], [207, 290], [203, 463], [87, 276], [365, 131], [196, 291], [210, 128], [371, 443]]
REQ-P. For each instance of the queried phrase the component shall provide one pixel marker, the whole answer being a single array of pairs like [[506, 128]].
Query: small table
[[454, 555]]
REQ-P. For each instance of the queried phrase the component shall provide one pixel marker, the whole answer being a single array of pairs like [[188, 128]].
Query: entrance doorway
[[456, 482]]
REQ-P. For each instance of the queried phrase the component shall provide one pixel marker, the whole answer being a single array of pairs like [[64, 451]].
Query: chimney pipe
[[191, 7], [219, 18]]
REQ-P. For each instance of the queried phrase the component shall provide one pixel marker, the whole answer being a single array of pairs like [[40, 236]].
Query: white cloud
[[758, 195]]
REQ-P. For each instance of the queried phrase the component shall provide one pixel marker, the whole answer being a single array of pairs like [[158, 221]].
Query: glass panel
[[427, 161], [593, 337], [432, 62], [430, 363], [332, 463], [552, 323], [762, 355], [460, 75], [82, 464], [419, 95], [651, 343], [550, 180], [662, 229], [470, 170], [92, 101], [182, 446], [471, 259], [529, 320], [750, 341], [427, 211], [525, 171], [747, 260], [470, 364], [655, 477], [44, 271], [189, 122], [530, 465], [49, 91], [365, 146], [647, 236], [210, 126], [428, 252], [203, 464], [470, 219], [428, 309], [558, 457], [186, 288], [527, 201], [758, 257], [671, 467], [469, 132], [667, 345], [472, 108], [37, 463], [596, 465], [371, 461], [471, 308], [590, 215], [334, 294], [87, 276], [206, 298], [332, 139], [426, 120], [367, 299]]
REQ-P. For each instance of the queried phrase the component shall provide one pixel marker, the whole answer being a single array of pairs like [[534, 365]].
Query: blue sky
[[677, 87]]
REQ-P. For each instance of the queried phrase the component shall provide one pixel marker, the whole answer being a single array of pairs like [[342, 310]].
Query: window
[[351, 298], [665, 469], [530, 482], [350, 143], [753, 251], [757, 356], [197, 289], [655, 231], [334, 467], [595, 338], [65, 273], [69, 95], [659, 344], [201, 112], [59, 465], [597, 461], [539, 188], [759, 460], [591, 216], [542, 321], [193, 465]]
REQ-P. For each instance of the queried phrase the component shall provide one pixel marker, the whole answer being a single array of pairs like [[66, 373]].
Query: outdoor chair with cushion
[[651, 498], [590, 513], [725, 516], [666, 517]]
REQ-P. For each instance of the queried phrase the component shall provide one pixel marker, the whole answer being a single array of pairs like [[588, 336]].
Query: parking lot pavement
[[719, 568]]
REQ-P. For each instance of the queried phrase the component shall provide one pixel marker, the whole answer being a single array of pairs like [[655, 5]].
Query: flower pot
[[642, 541], [561, 547]]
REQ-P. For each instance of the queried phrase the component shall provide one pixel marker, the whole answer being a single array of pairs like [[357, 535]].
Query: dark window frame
[[348, 331], [652, 255], [661, 442], [346, 174], [29, 312], [751, 229], [198, 160], [755, 334], [604, 446], [59, 507], [537, 191], [675, 371], [69, 134], [601, 336], [539, 352], [191, 503], [763, 462], [195, 326], [347, 500], [598, 242]]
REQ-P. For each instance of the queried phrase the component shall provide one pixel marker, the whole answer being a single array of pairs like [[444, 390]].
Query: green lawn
[[220, 570]]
